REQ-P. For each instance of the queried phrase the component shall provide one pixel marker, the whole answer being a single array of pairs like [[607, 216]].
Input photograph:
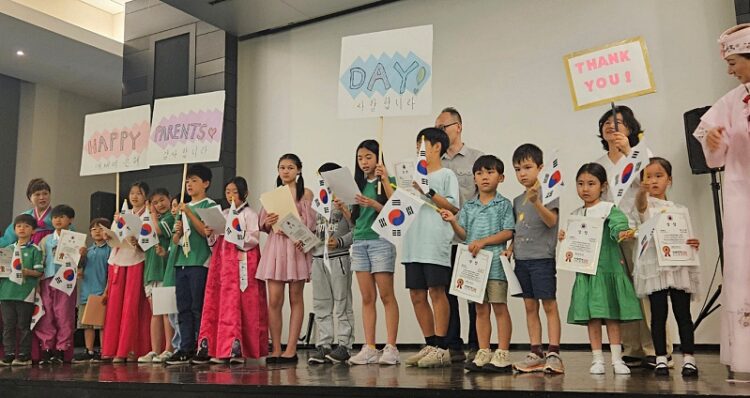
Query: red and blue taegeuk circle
[[17, 264], [324, 196], [627, 172], [236, 224], [422, 167], [146, 229], [396, 217], [37, 309], [555, 179], [69, 275], [120, 222]]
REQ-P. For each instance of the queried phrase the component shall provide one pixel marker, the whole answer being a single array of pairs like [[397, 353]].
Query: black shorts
[[423, 276]]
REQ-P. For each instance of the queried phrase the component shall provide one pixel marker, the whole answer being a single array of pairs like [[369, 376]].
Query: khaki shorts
[[149, 288], [496, 292], [81, 309]]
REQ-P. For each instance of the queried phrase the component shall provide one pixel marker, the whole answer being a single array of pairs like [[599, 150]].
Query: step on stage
[[258, 380]]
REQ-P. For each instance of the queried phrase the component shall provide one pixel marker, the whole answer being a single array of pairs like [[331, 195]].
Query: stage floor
[[257, 379]]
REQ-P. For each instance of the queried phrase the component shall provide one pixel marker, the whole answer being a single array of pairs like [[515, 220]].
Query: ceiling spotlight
[[20, 53]]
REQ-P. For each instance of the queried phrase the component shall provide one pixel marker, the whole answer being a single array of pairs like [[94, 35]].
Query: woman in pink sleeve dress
[[284, 262], [724, 133]]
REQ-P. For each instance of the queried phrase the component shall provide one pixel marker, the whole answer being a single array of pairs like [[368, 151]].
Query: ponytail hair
[[300, 180]]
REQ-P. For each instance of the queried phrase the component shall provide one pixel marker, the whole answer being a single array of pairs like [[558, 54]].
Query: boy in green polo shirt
[[192, 267], [17, 300]]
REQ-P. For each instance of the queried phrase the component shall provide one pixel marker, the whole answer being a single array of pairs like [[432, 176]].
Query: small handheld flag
[[420, 169]]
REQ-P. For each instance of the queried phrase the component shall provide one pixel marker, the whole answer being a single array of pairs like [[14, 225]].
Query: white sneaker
[[163, 357], [437, 358], [597, 368], [500, 362], [390, 356], [366, 355], [148, 358], [483, 357], [414, 359], [620, 368]]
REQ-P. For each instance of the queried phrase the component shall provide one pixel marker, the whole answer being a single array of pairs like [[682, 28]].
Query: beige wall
[[500, 63], [50, 135]]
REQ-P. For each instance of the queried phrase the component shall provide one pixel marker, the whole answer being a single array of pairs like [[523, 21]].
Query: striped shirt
[[480, 221]]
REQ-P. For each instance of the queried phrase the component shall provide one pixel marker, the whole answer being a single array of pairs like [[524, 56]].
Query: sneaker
[[597, 368], [481, 358], [457, 355], [500, 362], [437, 358], [97, 357], [390, 356], [84, 357], [319, 356], [148, 358], [661, 369], [163, 357], [532, 363], [179, 358], [414, 359], [8, 360], [472, 354], [620, 368], [650, 362], [365, 356], [236, 360], [689, 370], [46, 357], [22, 360], [553, 364], [218, 361], [57, 357], [635, 362], [201, 357], [339, 354]]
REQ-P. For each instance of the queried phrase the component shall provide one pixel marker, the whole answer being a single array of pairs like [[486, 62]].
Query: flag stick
[[380, 151], [184, 177], [117, 191]]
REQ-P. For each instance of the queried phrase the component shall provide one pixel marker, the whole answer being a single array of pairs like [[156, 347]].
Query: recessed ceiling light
[[20, 53]]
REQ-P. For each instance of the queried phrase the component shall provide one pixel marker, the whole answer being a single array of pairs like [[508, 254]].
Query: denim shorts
[[373, 255], [538, 278]]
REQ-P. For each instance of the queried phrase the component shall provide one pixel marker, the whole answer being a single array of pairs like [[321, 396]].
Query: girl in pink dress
[[234, 323], [127, 319], [284, 262], [724, 133]]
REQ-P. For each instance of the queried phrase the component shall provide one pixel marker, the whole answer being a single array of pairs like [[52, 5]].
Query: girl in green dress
[[607, 297]]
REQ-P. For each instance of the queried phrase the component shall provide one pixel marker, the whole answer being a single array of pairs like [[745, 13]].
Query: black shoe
[[57, 357], [634, 362], [661, 369], [293, 359], [472, 367], [46, 358], [457, 355], [201, 357], [650, 362], [689, 370], [319, 356], [8, 360], [97, 357], [339, 354], [22, 360], [84, 357], [180, 358]]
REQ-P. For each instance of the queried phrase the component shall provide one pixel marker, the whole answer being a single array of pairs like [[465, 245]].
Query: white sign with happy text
[[609, 73], [116, 141]]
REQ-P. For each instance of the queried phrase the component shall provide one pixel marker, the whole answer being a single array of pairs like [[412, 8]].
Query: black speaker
[[696, 157], [102, 205]]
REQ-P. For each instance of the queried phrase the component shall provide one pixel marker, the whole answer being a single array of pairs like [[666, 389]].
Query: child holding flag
[[373, 258], [426, 250], [16, 295], [55, 330], [157, 225], [126, 330], [486, 222], [234, 324], [332, 282]]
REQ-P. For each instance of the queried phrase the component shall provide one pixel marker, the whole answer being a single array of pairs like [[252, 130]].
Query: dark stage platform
[[257, 379]]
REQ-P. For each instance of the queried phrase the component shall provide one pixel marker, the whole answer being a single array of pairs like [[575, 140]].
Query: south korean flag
[[551, 180], [65, 278], [420, 169], [120, 227], [16, 266], [147, 237], [235, 229], [322, 200], [627, 170], [38, 312], [397, 215]]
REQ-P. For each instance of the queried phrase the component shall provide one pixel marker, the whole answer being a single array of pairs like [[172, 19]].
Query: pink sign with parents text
[[187, 129]]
